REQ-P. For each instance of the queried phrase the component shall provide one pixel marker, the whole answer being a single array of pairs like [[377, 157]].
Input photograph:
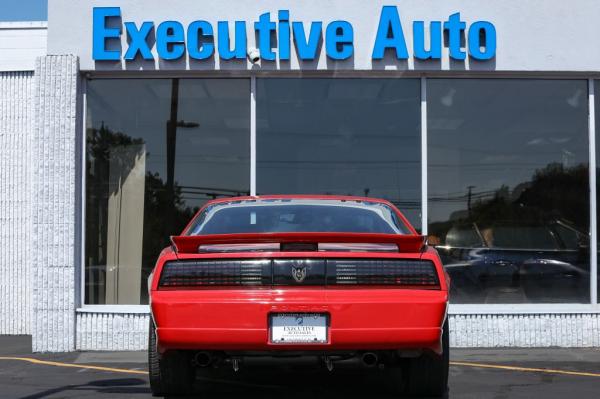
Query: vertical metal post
[[424, 202], [592, 169], [84, 83], [253, 135]]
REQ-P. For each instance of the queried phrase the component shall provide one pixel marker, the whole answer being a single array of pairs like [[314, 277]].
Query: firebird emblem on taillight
[[299, 273]]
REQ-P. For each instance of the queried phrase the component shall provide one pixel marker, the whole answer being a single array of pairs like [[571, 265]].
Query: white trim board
[[115, 309], [522, 309], [454, 309]]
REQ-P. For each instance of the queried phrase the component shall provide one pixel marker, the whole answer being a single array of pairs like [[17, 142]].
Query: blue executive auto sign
[[202, 40]]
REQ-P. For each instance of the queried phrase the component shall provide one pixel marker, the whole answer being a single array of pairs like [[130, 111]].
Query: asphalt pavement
[[474, 373]]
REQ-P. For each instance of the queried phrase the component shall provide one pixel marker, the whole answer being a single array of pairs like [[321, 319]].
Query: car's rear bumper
[[359, 318]]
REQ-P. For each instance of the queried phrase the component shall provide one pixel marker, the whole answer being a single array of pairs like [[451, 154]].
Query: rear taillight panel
[[400, 273], [206, 273], [403, 272]]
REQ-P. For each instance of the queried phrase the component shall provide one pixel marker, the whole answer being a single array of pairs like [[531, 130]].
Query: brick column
[[55, 206]]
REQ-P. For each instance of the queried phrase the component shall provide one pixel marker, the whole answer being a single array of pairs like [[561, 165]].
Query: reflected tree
[[157, 229], [555, 192], [101, 145]]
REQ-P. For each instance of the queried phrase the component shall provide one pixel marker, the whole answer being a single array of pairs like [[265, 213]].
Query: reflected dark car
[[511, 262]]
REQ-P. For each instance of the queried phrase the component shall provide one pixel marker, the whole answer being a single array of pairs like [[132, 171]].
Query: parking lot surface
[[480, 373]]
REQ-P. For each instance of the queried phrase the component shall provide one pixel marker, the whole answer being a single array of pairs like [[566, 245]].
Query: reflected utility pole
[[171, 146], [172, 125], [470, 188]]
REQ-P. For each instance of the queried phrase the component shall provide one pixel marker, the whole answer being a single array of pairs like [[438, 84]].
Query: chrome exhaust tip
[[369, 359], [203, 359]]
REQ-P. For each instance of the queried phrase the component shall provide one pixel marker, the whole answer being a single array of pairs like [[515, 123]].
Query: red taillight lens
[[206, 273], [399, 272]]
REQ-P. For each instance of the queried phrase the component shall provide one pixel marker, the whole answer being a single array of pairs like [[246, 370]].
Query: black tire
[[428, 373], [169, 374]]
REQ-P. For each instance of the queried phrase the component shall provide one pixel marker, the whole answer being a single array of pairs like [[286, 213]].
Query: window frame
[[592, 305], [455, 309]]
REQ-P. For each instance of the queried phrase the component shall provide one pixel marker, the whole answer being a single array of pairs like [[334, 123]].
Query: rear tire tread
[[428, 374], [169, 374]]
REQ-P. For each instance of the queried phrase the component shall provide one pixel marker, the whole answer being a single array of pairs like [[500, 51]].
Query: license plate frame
[[319, 322]]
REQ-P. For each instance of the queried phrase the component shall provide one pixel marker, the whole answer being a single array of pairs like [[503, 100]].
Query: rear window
[[280, 216]]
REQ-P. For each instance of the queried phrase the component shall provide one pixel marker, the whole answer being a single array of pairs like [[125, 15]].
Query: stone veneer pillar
[[55, 201]]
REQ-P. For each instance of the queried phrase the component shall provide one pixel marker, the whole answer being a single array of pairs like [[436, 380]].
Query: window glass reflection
[[156, 150], [341, 136], [508, 188]]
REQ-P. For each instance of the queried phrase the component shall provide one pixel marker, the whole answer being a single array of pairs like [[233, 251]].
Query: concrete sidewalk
[[481, 373]]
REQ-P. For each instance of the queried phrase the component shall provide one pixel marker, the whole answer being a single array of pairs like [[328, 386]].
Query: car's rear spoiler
[[191, 244]]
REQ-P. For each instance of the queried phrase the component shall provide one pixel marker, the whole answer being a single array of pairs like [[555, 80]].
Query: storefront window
[[157, 150], [509, 189], [341, 136]]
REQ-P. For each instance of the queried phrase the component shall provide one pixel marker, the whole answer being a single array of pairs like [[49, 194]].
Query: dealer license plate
[[298, 328]]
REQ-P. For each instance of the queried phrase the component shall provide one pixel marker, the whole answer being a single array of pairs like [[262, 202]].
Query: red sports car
[[341, 281]]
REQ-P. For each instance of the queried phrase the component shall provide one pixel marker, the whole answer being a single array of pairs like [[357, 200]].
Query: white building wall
[[59, 327], [20, 44], [532, 35], [112, 331], [525, 330], [16, 117], [39, 267]]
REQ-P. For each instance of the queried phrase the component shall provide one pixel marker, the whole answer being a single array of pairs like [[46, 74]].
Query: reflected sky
[[341, 136], [213, 139]]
